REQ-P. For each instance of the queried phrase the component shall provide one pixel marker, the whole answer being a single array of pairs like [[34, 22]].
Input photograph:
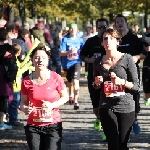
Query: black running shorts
[[73, 72]]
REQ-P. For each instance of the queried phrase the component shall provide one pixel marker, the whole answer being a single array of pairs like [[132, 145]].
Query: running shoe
[[136, 127], [86, 74], [70, 100], [146, 101], [76, 106], [4, 126], [104, 137], [97, 125]]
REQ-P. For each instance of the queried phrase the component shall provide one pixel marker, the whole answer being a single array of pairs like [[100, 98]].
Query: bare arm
[[64, 97], [24, 103], [63, 53], [138, 57]]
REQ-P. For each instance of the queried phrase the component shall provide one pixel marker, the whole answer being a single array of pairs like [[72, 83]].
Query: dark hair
[[120, 15], [22, 32], [100, 20], [3, 34], [114, 33], [146, 40], [10, 26], [39, 47]]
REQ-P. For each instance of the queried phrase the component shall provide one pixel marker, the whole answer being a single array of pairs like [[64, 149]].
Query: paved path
[[78, 133]]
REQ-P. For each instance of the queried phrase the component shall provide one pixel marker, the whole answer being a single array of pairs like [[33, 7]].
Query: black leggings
[[117, 128], [44, 137]]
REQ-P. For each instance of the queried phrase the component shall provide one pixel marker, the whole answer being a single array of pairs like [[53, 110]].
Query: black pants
[[3, 104], [86, 67], [136, 96], [94, 93], [117, 128], [44, 137]]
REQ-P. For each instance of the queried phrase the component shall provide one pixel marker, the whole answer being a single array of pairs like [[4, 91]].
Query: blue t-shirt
[[67, 44]]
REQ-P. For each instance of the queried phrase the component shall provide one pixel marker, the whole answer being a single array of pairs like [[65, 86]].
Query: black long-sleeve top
[[3, 49], [124, 69], [91, 47]]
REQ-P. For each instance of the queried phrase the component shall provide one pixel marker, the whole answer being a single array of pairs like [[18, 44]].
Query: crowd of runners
[[44, 53]]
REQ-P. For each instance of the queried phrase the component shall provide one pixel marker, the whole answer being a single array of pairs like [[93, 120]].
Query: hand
[[7, 54], [135, 58], [98, 80], [89, 60], [47, 105], [22, 57], [116, 80], [27, 109], [73, 50]]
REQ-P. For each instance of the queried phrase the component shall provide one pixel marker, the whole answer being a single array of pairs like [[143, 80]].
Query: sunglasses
[[101, 27]]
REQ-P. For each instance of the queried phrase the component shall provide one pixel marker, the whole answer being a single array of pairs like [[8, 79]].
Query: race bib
[[96, 55], [112, 90], [73, 56], [40, 115]]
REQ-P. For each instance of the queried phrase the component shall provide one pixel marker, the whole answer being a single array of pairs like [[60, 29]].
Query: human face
[[40, 60], [109, 43], [88, 30], [121, 24], [147, 48], [73, 31], [136, 28], [101, 27]]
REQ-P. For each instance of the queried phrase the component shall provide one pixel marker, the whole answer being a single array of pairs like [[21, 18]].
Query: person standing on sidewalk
[[15, 103], [6, 87], [44, 125], [132, 45], [116, 74], [70, 49], [92, 49]]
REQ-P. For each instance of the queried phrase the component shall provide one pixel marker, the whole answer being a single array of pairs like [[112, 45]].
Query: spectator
[[6, 88], [55, 60], [132, 45]]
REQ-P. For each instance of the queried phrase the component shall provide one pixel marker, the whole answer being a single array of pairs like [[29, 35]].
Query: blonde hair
[[16, 48]]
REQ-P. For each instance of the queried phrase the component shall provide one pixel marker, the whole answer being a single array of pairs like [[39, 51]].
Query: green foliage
[[84, 9]]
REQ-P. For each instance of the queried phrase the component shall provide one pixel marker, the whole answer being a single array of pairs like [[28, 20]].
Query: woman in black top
[[116, 73]]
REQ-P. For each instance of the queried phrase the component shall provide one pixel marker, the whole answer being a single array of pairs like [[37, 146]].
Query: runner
[[92, 49], [132, 45], [42, 92], [146, 70], [70, 48], [116, 73]]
